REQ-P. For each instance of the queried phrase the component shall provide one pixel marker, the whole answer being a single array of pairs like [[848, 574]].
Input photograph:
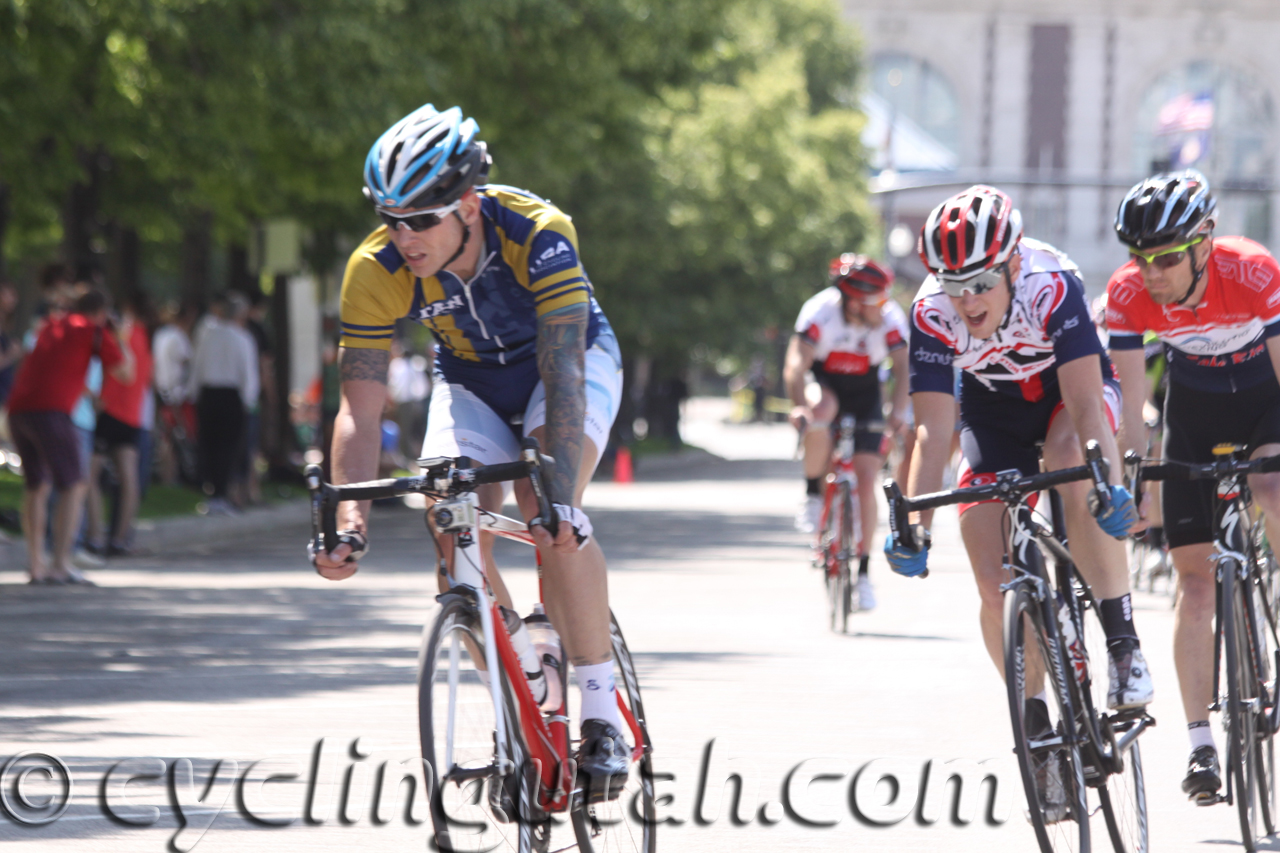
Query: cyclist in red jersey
[[1215, 304]]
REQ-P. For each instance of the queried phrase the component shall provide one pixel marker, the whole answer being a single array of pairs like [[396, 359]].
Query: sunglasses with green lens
[[1165, 259]]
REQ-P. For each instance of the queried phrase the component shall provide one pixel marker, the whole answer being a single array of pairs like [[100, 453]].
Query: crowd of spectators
[[100, 400]]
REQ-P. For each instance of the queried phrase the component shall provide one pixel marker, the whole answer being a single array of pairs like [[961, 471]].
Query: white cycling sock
[[1201, 734], [599, 693]]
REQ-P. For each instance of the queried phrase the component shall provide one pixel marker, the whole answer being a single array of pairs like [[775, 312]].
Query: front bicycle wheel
[[1243, 706], [1122, 795], [1049, 758], [848, 545], [1265, 646], [478, 801], [837, 543], [629, 823]]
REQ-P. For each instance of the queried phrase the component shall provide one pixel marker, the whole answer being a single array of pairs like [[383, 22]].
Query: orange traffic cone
[[622, 466]]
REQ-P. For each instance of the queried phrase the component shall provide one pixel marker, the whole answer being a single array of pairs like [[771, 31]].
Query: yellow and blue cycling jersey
[[486, 328]]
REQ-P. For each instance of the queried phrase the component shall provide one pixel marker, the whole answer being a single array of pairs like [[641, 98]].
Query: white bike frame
[[464, 517]]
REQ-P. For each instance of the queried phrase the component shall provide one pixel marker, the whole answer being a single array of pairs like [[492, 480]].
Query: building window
[[1216, 119], [913, 116]]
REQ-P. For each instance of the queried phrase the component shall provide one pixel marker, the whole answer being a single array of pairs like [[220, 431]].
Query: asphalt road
[[228, 648]]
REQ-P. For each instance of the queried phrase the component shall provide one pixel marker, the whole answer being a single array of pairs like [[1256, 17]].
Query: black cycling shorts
[[1194, 422], [999, 432], [858, 396]]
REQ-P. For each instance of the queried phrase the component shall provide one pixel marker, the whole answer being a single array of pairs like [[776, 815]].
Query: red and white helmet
[[970, 232], [858, 275]]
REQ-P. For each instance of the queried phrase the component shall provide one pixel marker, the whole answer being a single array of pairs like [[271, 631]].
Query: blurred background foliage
[[708, 150]]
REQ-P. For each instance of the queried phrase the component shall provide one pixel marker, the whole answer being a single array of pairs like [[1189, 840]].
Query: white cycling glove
[[576, 517]]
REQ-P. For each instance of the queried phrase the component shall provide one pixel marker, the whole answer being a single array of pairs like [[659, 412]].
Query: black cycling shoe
[[603, 761], [1203, 779]]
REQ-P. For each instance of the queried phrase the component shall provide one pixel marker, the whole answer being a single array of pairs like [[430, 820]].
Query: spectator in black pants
[[224, 374]]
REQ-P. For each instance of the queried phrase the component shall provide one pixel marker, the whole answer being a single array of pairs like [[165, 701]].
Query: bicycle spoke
[[1051, 766], [628, 823], [457, 720]]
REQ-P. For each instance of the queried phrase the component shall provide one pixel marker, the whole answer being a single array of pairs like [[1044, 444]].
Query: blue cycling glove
[[1121, 515], [905, 561]]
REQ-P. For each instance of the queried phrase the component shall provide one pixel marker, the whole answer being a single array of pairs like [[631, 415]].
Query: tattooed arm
[[562, 336], [357, 437]]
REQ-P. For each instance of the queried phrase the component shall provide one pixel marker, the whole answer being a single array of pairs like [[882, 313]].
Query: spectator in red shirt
[[118, 431], [49, 382]]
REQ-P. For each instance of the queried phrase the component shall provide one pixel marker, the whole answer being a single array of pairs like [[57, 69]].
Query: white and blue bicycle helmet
[[427, 159]]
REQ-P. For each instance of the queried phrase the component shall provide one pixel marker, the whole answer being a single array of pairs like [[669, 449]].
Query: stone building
[[1065, 106]]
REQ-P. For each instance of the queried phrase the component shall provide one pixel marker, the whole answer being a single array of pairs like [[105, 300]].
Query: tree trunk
[[80, 224], [4, 228], [197, 248], [239, 276], [124, 263], [284, 444]]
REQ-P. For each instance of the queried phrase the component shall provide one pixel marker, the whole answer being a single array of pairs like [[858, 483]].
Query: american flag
[[1186, 113]]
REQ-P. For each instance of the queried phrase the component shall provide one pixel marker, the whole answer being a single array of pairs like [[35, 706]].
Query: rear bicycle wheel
[[1243, 753], [1124, 804], [473, 806], [1050, 761], [629, 823]]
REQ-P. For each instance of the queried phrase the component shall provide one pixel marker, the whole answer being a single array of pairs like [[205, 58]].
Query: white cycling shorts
[[461, 424]]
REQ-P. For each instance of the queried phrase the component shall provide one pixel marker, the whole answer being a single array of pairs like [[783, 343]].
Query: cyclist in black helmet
[[1215, 304]]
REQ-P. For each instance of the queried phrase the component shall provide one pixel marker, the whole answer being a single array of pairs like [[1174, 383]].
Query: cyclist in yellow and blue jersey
[[494, 273], [529, 267]]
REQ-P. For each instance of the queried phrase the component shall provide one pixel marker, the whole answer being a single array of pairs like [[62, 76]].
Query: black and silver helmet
[[1166, 209]]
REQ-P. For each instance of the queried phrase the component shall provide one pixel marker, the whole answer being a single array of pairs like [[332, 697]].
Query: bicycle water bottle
[[546, 643], [1071, 642], [530, 661]]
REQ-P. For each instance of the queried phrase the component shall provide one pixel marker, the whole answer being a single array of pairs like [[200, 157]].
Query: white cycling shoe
[[1129, 680], [866, 593], [809, 515]]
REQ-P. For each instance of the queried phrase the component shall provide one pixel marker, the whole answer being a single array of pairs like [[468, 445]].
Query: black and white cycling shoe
[[1203, 778], [603, 761]]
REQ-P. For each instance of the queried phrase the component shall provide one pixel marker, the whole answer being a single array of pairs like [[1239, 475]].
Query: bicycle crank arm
[[1131, 735], [458, 775]]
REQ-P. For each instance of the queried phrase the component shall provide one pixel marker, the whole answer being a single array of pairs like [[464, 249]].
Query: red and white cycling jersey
[[849, 349], [1048, 324], [1220, 344]]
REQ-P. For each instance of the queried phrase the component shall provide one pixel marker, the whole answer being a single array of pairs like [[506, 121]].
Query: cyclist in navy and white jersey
[[1011, 314], [844, 335], [1215, 305]]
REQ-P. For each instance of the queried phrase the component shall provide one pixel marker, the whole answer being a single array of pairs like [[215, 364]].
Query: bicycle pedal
[[1211, 799]]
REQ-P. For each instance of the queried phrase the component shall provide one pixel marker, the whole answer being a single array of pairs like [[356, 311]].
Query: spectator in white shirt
[[176, 415], [224, 376]]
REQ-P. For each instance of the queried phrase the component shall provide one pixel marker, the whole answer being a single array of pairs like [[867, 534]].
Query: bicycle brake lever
[[1100, 497], [899, 526]]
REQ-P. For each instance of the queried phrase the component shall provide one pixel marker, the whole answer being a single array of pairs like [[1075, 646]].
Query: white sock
[[599, 693], [1043, 696], [1201, 734]]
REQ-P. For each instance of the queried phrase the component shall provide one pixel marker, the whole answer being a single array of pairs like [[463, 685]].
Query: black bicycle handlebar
[[444, 477], [1173, 470], [1008, 486]]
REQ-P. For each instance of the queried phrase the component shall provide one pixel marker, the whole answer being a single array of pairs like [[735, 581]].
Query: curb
[[189, 529], [658, 463]]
